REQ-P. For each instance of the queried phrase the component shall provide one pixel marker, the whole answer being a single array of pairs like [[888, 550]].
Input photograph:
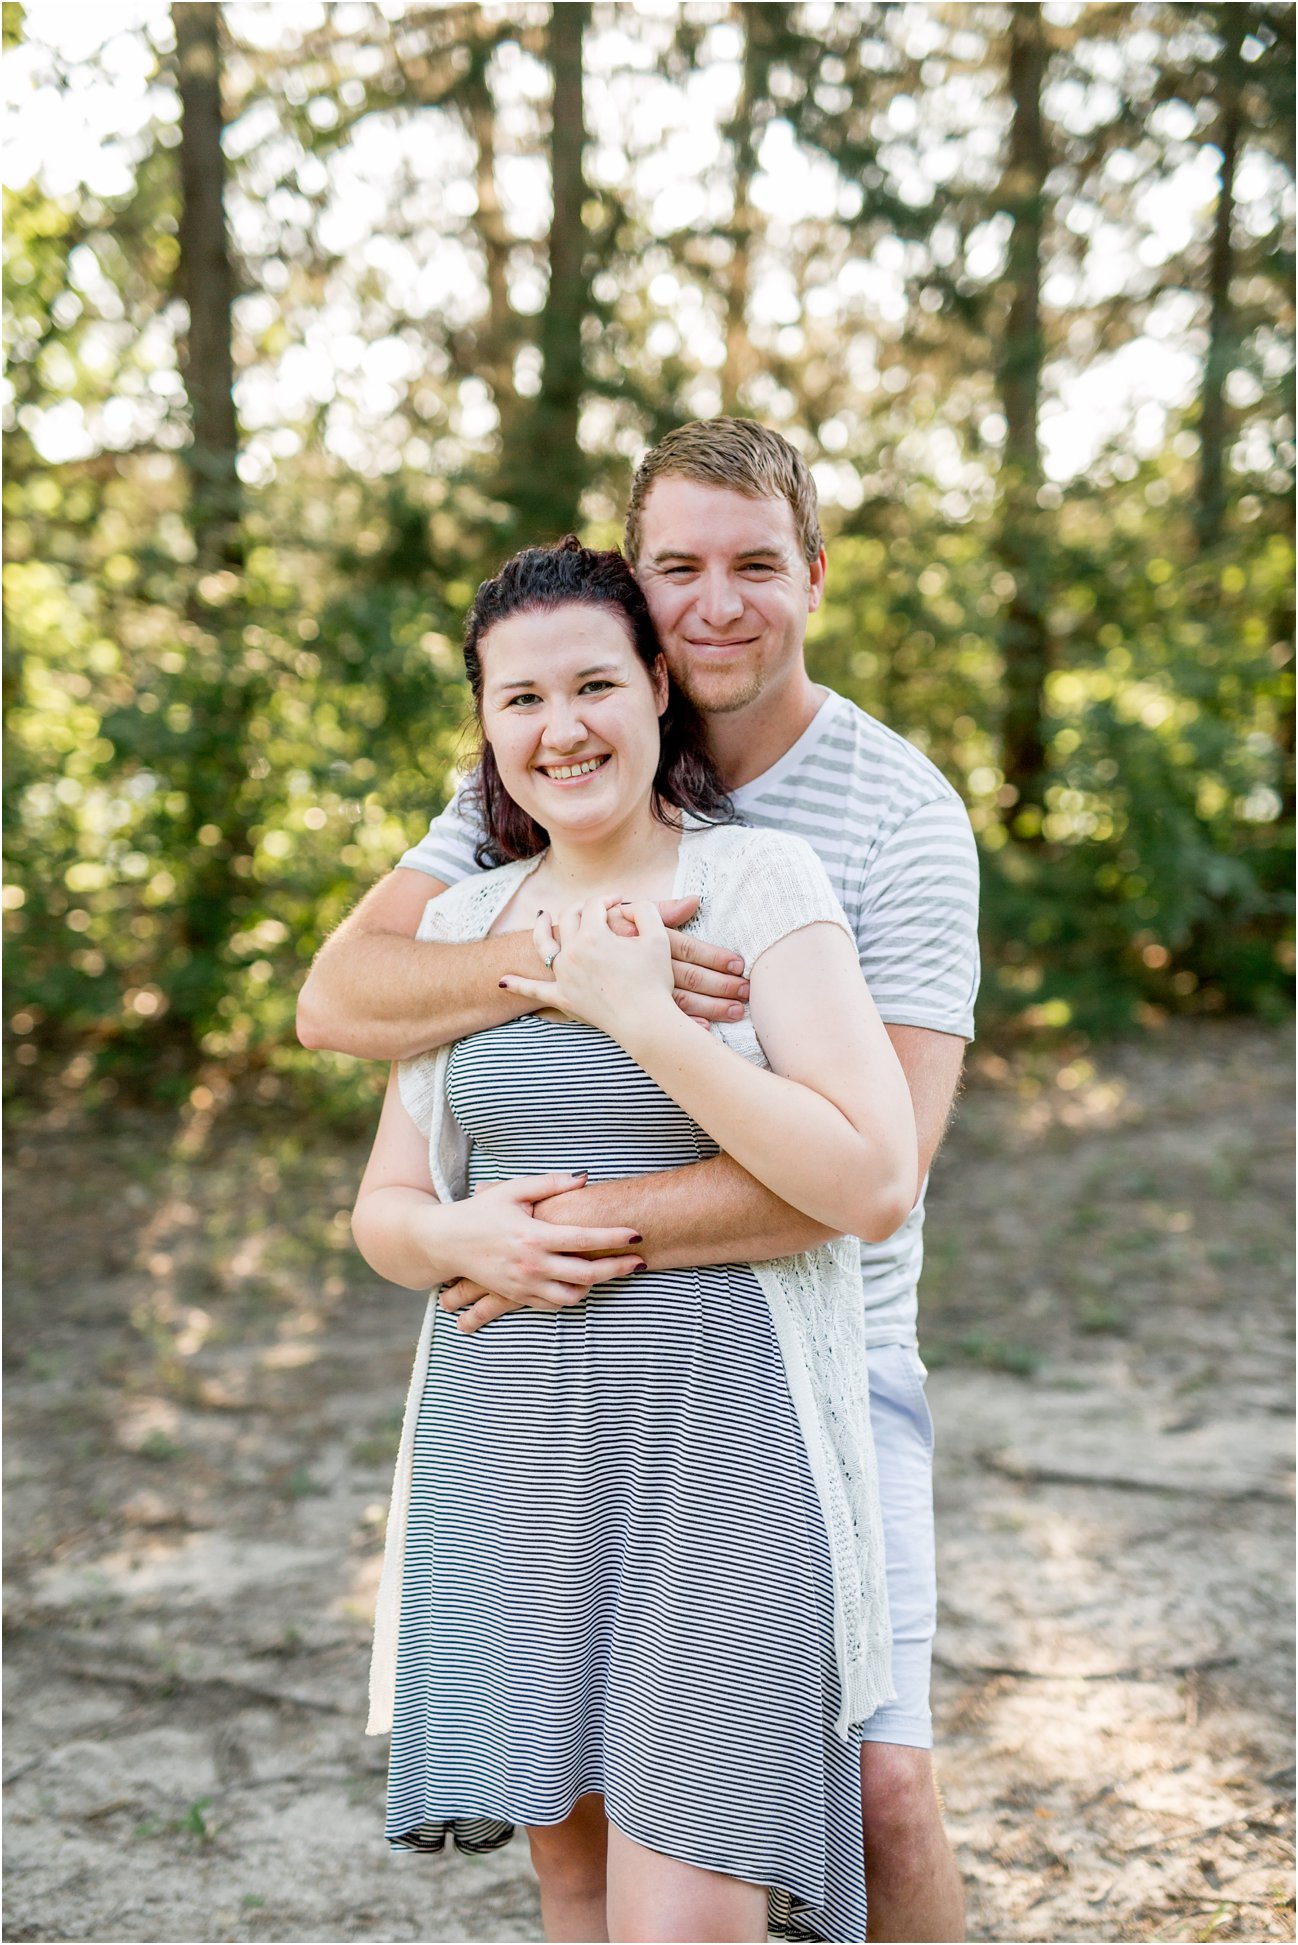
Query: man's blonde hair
[[739, 455]]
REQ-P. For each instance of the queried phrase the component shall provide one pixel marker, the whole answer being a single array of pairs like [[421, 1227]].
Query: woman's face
[[571, 714]]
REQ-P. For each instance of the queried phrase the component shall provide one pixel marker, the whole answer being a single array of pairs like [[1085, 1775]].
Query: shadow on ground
[[203, 1401]]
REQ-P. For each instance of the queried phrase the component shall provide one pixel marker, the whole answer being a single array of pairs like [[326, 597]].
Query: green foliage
[[1162, 872], [345, 713], [205, 769]]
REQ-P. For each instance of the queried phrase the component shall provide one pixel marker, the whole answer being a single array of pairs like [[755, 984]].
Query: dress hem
[[787, 1910]]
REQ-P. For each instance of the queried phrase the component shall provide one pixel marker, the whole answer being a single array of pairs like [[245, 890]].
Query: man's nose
[[721, 599]]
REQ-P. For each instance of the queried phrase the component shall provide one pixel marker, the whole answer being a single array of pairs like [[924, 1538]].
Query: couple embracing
[[676, 992]]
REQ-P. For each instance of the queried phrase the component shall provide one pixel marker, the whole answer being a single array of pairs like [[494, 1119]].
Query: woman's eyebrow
[[530, 681]]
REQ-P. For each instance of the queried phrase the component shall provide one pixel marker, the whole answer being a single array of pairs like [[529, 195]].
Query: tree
[[1022, 543], [215, 697], [761, 26], [234, 690], [207, 283], [1222, 348], [1232, 84], [542, 468]]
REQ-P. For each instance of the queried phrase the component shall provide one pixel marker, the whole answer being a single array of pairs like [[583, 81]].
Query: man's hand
[[475, 1306], [707, 980]]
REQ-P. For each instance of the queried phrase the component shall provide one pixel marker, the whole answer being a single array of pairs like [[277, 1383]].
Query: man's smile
[[718, 648]]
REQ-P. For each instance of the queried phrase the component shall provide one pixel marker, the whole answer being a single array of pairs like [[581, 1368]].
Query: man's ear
[[816, 581], [661, 683]]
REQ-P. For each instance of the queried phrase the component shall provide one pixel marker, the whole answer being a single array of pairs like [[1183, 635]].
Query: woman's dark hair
[[568, 575]]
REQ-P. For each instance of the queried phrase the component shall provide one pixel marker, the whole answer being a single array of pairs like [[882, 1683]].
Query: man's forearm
[[385, 997], [710, 1212]]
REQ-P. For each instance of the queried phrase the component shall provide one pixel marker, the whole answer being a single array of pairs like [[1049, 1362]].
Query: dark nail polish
[[502, 986], [636, 1239]]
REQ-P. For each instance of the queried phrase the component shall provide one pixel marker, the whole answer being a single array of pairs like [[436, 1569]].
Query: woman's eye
[[601, 682], [515, 700]]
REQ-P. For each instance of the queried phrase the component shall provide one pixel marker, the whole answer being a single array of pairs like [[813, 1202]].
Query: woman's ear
[[661, 683]]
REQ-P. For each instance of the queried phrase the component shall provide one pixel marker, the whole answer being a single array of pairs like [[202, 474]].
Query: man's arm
[[714, 1211], [932, 1063], [377, 991]]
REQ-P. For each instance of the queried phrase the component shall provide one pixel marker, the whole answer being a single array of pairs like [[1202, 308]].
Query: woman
[[634, 1542]]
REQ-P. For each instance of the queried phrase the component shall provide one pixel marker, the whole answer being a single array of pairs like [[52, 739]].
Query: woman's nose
[[564, 728]]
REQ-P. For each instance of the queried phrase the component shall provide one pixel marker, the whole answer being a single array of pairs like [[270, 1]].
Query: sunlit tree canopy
[[315, 312]]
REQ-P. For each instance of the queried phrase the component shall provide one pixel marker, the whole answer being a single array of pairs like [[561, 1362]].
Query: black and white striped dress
[[616, 1577]]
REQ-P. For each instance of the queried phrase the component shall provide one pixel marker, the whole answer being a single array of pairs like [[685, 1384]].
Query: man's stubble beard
[[708, 703]]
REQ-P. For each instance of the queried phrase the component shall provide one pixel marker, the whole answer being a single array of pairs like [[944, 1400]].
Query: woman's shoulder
[[466, 909], [736, 849], [755, 886], [746, 843]]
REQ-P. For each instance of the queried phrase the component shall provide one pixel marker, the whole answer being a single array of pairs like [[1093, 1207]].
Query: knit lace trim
[[754, 888]]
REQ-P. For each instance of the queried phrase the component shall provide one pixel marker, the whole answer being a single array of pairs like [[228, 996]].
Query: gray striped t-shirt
[[895, 839]]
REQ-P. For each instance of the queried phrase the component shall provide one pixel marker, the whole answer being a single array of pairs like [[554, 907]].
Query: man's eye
[[678, 573], [759, 567]]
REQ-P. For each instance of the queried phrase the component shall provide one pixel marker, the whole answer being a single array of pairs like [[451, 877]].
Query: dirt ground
[[203, 1394]]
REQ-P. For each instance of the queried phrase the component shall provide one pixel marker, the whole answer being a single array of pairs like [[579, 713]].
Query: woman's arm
[[830, 1128], [405, 1233], [395, 1223]]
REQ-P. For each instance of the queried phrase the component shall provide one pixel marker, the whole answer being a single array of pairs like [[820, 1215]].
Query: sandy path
[[201, 1418]]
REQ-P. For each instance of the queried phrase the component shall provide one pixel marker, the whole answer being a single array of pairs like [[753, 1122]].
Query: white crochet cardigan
[[753, 887]]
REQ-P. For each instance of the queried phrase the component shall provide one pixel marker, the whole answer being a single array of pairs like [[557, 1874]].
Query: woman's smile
[[574, 771]]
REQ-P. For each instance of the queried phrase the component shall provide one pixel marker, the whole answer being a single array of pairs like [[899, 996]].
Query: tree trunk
[[1022, 545], [744, 134], [210, 759], [207, 283], [546, 473], [495, 336], [1211, 499]]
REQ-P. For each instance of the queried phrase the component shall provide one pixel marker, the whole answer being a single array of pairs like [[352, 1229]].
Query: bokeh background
[[313, 314]]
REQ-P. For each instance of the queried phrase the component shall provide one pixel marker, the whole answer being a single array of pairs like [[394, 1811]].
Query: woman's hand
[[494, 1238], [608, 979]]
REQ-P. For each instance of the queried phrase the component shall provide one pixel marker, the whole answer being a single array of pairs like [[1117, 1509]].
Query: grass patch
[[159, 1448]]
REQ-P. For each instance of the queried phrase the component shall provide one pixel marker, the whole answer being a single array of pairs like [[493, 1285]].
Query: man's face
[[728, 588]]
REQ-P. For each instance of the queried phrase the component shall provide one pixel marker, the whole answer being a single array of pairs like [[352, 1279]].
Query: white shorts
[[903, 1442]]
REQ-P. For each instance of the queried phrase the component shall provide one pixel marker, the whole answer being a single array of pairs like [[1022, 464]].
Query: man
[[724, 537]]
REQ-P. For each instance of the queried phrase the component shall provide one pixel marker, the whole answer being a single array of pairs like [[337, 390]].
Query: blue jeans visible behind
[[903, 1439]]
